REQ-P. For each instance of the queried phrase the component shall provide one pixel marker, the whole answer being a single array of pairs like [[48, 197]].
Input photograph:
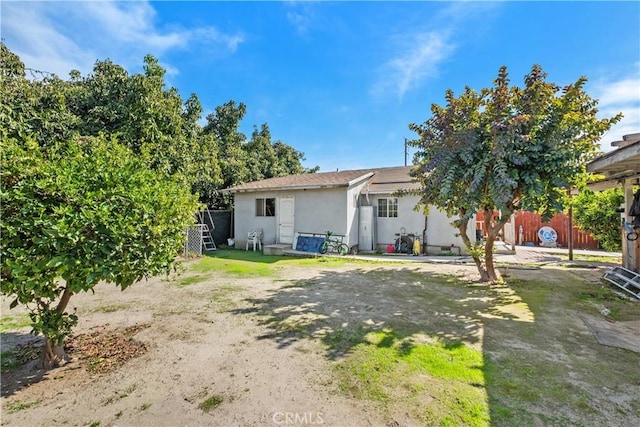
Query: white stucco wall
[[336, 209], [316, 211], [439, 232]]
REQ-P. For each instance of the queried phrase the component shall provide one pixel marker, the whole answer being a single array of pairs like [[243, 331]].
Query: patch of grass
[[211, 403], [145, 406], [254, 264], [10, 323], [110, 308], [221, 297], [605, 259], [94, 424], [191, 280], [120, 395], [18, 356], [20, 406], [243, 268], [396, 370], [597, 298]]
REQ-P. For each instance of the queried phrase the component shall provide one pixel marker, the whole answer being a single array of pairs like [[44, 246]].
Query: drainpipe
[[424, 236]]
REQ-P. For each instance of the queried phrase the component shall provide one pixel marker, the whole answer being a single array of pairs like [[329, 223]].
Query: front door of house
[[286, 219]]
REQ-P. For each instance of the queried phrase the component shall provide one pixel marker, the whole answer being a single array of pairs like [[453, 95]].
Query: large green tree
[[505, 148], [243, 161], [149, 118], [78, 213]]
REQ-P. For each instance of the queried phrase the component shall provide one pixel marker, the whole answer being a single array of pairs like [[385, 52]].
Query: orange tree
[[505, 148], [79, 213]]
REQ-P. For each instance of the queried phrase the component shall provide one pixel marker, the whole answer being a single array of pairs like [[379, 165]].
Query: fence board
[[532, 222]]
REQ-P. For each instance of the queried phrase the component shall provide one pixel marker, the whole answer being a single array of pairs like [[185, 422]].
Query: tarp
[[309, 243]]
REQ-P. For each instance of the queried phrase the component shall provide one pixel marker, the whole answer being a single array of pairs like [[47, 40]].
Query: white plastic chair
[[254, 237]]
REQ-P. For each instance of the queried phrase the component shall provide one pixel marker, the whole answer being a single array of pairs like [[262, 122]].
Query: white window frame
[[388, 207]]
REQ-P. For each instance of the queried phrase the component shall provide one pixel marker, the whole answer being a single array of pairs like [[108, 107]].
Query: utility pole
[[405, 152]]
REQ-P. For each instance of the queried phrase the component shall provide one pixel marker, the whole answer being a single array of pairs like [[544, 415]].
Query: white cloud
[[417, 63], [301, 15], [420, 52], [60, 36], [619, 96]]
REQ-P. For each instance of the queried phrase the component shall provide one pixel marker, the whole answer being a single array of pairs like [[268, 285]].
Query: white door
[[286, 219]]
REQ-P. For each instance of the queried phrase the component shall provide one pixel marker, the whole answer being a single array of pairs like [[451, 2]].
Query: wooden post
[[570, 235]]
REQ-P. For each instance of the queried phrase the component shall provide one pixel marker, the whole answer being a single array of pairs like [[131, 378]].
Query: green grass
[[210, 403], [18, 321], [531, 370], [593, 258], [397, 371], [191, 280], [20, 406], [112, 308], [120, 395], [241, 263], [18, 356], [222, 297]]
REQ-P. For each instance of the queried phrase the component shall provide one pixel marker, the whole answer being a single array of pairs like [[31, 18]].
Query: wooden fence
[[531, 223]]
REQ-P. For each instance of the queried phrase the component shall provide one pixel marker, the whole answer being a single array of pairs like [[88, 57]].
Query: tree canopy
[[100, 176], [505, 148], [78, 213], [147, 117]]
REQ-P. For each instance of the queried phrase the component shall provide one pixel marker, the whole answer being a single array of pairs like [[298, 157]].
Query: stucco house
[[359, 206]]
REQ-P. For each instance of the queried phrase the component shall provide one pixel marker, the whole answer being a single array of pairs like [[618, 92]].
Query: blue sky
[[341, 81]]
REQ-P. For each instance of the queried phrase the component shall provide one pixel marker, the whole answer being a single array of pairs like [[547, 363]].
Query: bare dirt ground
[[202, 354]]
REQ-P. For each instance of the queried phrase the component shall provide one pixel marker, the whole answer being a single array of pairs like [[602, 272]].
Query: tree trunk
[[492, 234], [53, 354], [488, 258], [484, 277]]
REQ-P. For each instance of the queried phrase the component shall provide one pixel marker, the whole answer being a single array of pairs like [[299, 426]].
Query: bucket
[[231, 242]]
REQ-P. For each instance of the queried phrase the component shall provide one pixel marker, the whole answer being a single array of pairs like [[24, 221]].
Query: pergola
[[621, 168]]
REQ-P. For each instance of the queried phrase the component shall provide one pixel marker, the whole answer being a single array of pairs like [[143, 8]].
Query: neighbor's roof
[[388, 180], [306, 181], [380, 181], [621, 163]]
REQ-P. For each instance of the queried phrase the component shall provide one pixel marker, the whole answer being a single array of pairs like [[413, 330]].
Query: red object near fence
[[532, 222]]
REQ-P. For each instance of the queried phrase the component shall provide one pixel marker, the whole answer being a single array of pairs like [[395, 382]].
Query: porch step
[[275, 249]]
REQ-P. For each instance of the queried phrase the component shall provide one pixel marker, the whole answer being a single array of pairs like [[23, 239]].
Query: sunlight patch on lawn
[[508, 306], [417, 375]]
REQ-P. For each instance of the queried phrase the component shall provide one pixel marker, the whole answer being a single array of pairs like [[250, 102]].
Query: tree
[[597, 213], [79, 213], [505, 148], [243, 161], [150, 119]]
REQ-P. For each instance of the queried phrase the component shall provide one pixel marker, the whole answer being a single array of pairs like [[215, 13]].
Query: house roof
[[388, 180], [380, 181], [306, 181]]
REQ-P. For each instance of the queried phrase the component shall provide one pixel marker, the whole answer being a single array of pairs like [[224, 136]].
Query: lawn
[[350, 343]]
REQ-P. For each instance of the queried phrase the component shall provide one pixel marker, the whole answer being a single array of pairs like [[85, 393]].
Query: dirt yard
[[218, 348]]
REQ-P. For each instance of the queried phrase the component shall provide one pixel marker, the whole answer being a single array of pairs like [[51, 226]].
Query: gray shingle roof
[[388, 180], [308, 180], [381, 180]]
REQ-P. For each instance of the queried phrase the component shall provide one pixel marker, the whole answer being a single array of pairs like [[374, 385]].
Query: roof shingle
[[380, 180]]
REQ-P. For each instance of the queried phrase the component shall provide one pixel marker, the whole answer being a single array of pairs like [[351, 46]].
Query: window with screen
[[265, 207]]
